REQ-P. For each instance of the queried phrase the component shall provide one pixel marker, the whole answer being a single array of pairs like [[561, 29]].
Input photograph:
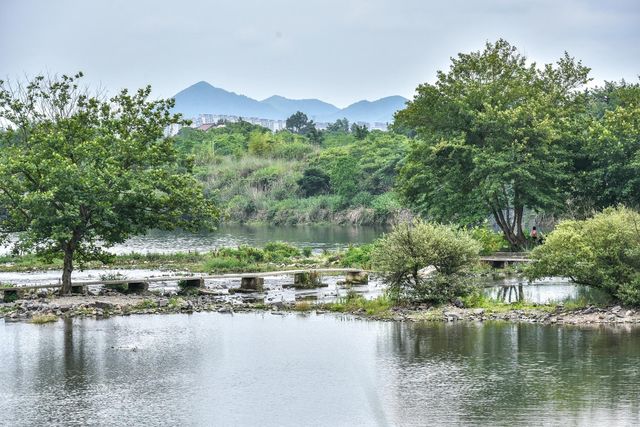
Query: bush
[[489, 240], [314, 181], [602, 251], [280, 251], [413, 246], [357, 256]]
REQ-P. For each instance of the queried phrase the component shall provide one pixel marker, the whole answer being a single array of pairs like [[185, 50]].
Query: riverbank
[[50, 309]]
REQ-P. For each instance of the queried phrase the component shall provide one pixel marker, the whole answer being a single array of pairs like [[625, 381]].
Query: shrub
[[357, 256], [224, 264], [280, 251], [413, 246], [314, 181], [385, 204], [602, 251], [489, 240]]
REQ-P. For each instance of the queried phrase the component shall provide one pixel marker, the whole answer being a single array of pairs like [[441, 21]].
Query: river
[[315, 237], [261, 369]]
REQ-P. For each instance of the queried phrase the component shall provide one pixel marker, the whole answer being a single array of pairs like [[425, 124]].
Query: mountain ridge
[[204, 98]]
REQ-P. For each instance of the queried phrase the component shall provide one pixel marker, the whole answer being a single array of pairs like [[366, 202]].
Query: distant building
[[272, 125]]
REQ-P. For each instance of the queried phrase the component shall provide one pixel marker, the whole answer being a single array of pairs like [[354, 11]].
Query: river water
[[209, 369], [315, 237]]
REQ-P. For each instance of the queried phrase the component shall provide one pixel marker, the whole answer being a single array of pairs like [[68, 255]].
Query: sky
[[340, 51]]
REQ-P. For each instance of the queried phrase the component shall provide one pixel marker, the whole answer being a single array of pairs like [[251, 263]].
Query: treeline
[[499, 136], [344, 174], [496, 136]]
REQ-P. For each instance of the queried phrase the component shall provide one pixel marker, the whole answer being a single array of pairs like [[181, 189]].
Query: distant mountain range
[[203, 98]]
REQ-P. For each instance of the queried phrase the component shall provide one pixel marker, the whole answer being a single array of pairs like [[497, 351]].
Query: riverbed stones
[[356, 278]]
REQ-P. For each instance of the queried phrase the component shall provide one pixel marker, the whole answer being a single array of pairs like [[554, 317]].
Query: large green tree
[[79, 172], [493, 137], [607, 162]]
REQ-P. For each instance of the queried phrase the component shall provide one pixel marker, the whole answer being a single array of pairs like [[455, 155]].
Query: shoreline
[[45, 310]]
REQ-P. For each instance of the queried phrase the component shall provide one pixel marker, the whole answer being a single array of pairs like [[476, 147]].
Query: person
[[534, 234]]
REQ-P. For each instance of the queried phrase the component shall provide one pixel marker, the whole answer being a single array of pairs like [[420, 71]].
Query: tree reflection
[[502, 372]]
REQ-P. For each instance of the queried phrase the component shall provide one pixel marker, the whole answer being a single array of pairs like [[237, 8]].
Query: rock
[[628, 313], [104, 305], [478, 311], [225, 310], [163, 302], [616, 309], [451, 316]]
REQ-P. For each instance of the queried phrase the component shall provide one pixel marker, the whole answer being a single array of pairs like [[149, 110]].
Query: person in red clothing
[[534, 235]]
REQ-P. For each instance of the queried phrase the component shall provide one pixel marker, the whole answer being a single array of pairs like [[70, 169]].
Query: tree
[[340, 125], [414, 246], [493, 138], [602, 251], [359, 131], [79, 173], [299, 123], [607, 162], [313, 182]]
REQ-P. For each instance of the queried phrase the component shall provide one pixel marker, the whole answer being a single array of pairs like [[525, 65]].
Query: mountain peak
[[204, 98]]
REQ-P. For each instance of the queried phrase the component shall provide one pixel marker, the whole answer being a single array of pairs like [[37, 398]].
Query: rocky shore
[[44, 309]]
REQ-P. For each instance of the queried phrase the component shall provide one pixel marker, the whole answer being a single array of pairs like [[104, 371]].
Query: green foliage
[[357, 256], [146, 304], [175, 303], [40, 319], [314, 182], [354, 303], [489, 240], [339, 126], [299, 123], [607, 160], [413, 246], [359, 132], [495, 135], [280, 251], [79, 173], [602, 251]]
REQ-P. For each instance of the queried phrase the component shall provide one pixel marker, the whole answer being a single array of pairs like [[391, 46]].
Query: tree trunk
[[67, 269], [512, 231]]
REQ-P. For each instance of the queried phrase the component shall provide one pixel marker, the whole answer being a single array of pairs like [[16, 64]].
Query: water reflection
[[508, 374], [212, 369]]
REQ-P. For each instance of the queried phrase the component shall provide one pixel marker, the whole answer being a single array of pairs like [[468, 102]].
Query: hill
[[203, 98]]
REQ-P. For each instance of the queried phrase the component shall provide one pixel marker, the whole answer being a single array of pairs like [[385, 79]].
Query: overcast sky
[[340, 51]]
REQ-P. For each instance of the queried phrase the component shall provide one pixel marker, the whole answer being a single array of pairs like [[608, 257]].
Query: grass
[[243, 258], [40, 319], [303, 306], [145, 305], [379, 307], [175, 303]]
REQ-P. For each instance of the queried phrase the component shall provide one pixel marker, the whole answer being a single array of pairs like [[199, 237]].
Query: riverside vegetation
[[495, 137]]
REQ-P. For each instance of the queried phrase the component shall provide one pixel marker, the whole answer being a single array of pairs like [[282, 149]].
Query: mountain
[[370, 111], [203, 98], [313, 108]]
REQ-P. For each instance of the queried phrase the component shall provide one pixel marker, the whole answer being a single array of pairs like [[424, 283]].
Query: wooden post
[[252, 283], [356, 278], [137, 287], [306, 280]]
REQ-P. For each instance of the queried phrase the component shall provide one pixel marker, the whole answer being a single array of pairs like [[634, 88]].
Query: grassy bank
[[244, 258], [285, 178]]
